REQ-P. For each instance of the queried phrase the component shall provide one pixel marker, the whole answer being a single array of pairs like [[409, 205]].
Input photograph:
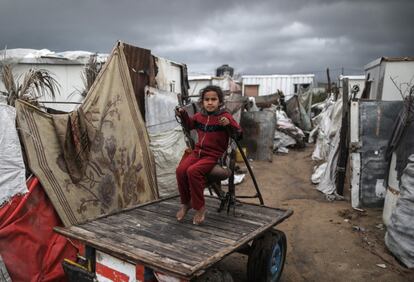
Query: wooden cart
[[150, 236]]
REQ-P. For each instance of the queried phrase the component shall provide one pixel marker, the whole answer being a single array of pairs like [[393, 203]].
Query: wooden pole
[[329, 82], [343, 143]]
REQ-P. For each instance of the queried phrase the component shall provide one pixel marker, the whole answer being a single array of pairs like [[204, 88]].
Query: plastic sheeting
[[290, 132], [400, 231], [318, 172], [168, 148], [328, 124], [12, 170], [159, 110], [31, 250], [166, 137], [298, 114], [281, 141], [327, 184]]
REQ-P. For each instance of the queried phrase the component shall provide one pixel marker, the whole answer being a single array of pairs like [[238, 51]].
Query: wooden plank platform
[[150, 234]]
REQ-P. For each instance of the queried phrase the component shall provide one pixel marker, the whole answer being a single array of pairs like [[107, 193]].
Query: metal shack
[[383, 71], [259, 85]]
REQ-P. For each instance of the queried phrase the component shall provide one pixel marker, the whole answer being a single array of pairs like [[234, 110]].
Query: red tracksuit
[[213, 140]]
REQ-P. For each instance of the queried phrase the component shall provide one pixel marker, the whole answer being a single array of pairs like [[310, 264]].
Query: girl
[[214, 126]]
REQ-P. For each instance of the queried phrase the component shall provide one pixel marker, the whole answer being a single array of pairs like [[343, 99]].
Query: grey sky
[[255, 37]]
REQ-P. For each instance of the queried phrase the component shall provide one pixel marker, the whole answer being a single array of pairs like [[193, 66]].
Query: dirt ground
[[327, 241]]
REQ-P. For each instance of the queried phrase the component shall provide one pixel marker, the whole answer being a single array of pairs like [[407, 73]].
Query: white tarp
[[168, 148], [159, 110], [327, 124], [166, 137], [281, 140], [327, 183], [318, 172], [12, 170], [400, 231]]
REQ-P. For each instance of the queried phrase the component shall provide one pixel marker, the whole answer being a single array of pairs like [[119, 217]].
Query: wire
[[165, 122]]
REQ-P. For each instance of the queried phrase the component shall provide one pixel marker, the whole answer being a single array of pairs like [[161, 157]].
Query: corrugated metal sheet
[[269, 84], [142, 72]]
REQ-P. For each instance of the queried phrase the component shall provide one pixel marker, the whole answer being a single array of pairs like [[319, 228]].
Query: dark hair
[[214, 88]]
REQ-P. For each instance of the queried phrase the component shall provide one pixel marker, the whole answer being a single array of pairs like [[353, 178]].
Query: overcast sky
[[254, 37]]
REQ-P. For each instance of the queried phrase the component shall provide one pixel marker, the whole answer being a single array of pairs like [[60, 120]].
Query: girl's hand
[[178, 111], [224, 121]]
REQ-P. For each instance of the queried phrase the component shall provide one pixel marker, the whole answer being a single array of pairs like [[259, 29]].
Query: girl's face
[[211, 101]]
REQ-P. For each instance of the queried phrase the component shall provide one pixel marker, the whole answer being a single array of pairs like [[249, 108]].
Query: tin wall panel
[[376, 120]]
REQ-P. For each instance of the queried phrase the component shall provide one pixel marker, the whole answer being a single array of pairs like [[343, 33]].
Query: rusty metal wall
[[258, 133], [142, 72]]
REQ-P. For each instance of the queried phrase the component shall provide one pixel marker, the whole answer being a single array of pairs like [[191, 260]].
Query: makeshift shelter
[[95, 160]]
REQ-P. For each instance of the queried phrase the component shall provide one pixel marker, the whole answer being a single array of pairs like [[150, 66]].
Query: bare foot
[[199, 216], [182, 211]]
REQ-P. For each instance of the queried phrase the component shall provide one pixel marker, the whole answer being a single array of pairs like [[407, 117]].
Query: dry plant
[[90, 73], [408, 87], [35, 84]]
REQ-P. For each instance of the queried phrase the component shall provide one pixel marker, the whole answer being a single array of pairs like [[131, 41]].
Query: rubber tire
[[214, 275], [259, 262]]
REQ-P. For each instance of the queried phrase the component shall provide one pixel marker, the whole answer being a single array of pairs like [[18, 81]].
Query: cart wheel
[[215, 275], [267, 257]]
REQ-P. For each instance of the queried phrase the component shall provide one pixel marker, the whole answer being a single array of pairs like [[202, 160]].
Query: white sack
[[238, 178]]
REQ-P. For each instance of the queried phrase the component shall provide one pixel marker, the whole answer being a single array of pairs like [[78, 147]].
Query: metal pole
[[246, 161]]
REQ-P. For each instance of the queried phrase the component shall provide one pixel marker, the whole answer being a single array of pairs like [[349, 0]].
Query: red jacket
[[213, 138]]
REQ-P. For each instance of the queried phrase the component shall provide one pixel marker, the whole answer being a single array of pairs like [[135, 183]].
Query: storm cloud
[[255, 37]]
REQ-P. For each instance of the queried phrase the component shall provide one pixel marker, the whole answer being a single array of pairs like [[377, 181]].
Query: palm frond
[[90, 73], [9, 83], [37, 83]]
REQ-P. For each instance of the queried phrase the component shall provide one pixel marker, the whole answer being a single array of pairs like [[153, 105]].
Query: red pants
[[191, 179]]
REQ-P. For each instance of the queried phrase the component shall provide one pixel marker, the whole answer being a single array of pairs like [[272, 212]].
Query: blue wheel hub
[[276, 261]]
